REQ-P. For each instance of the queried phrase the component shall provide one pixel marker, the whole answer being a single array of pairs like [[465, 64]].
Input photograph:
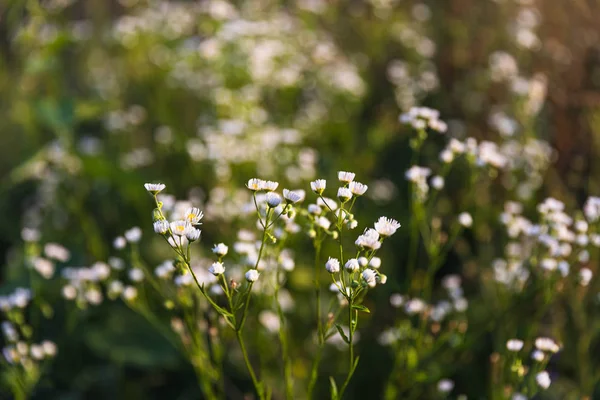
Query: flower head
[[318, 186], [370, 277], [161, 227], [154, 188], [220, 249], [293, 196], [386, 226], [193, 215], [180, 228], [216, 268], [465, 219], [193, 234], [543, 379], [352, 265], [357, 188], [546, 344], [270, 185], [273, 199], [133, 235], [369, 239], [255, 184], [344, 194], [346, 177], [514, 345], [252, 275], [332, 265]]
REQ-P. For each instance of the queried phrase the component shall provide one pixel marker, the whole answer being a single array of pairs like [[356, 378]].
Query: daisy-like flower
[[119, 243], [193, 234], [370, 277], [180, 228], [375, 263], [465, 219], [352, 265], [270, 185], [130, 293], [369, 239], [344, 194], [193, 215], [293, 196], [252, 275], [445, 385], [216, 268], [161, 227], [437, 182], [514, 345], [543, 379], [346, 177], [323, 222], [538, 355], [546, 344], [255, 184], [220, 249], [136, 275], [273, 199], [386, 226], [133, 235], [332, 265], [49, 348], [154, 188], [314, 209], [357, 188], [318, 186]]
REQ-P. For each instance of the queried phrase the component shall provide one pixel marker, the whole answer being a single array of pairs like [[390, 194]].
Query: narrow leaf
[[360, 307], [342, 334], [334, 389]]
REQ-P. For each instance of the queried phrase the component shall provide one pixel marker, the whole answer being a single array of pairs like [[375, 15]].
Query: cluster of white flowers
[[19, 298], [558, 241], [16, 332], [421, 118]]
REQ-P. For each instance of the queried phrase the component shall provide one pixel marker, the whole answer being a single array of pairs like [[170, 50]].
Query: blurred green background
[[100, 96]]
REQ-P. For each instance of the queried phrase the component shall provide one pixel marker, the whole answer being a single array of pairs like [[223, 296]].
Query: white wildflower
[[370, 277], [386, 226], [332, 265], [318, 186], [543, 379], [220, 249], [346, 177], [216, 268], [161, 227], [154, 188], [193, 215], [352, 265], [252, 275], [514, 345]]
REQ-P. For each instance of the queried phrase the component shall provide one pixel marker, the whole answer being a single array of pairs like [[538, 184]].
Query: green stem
[[351, 327], [320, 333]]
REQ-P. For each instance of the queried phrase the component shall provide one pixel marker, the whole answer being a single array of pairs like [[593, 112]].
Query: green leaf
[[342, 334], [334, 389], [355, 364], [360, 307]]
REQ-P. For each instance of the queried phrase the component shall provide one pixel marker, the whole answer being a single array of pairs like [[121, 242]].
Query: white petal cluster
[[346, 177], [386, 226], [369, 240], [318, 186], [332, 265], [422, 117], [154, 188]]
